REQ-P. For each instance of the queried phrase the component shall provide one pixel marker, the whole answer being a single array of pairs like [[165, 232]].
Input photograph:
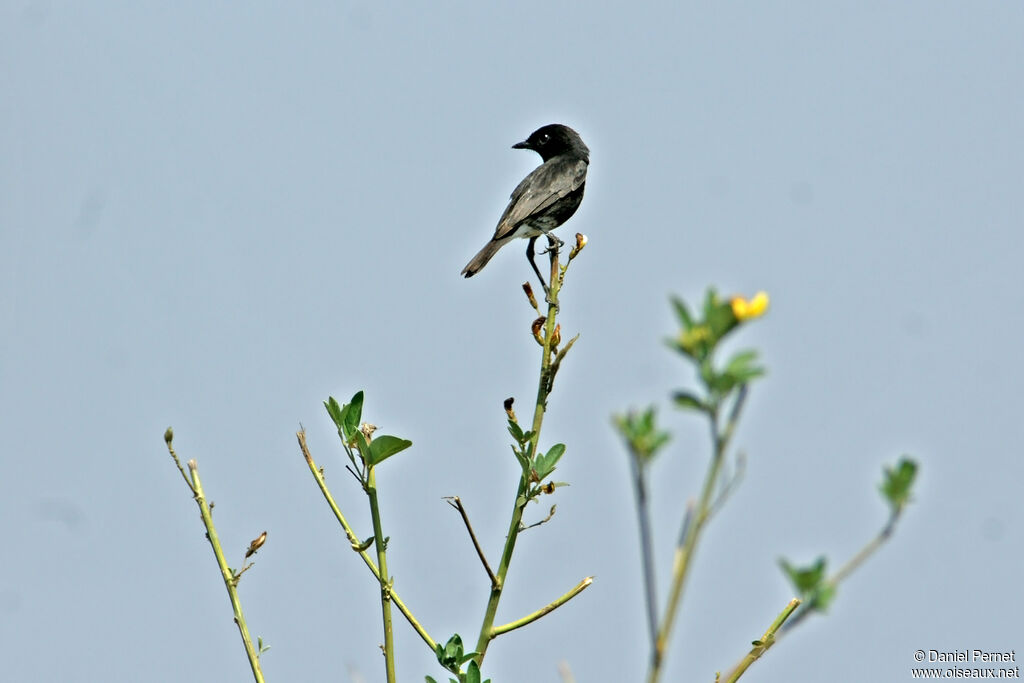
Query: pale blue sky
[[215, 217]]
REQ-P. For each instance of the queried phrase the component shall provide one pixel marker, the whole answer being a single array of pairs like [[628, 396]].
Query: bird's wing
[[543, 187]]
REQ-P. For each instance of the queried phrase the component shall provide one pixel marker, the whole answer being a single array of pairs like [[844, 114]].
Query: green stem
[[851, 565], [487, 631], [688, 544], [225, 570], [355, 542], [761, 646], [385, 582], [550, 607]]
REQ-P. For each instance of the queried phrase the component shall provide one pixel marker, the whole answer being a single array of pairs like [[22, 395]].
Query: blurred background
[[214, 217]]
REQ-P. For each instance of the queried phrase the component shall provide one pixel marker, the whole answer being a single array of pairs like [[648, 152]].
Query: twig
[[849, 567], [761, 646], [550, 607], [229, 578], [456, 503], [356, 543], [688, 545], [730, 485], [169, 439], [551, 513], [643, 514]]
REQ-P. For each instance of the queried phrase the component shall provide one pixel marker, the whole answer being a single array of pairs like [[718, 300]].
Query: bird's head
[[554, 140]]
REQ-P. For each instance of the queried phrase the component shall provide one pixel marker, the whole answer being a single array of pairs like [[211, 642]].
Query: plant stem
[[851, 565], [385, 582], [550, 607], [225, 571], [643, 515], [456, 503], [685, 551], [355, 542], [761, 646], [543, 388]]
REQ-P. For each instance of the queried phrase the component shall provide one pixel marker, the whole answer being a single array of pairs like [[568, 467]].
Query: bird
[[545, 199]]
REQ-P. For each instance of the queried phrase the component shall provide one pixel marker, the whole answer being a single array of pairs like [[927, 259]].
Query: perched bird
[[546, 198]]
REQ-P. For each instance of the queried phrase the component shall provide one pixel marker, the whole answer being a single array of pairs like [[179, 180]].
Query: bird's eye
[[544, 138]]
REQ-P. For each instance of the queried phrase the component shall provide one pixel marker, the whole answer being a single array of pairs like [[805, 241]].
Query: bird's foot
[[554, 244]]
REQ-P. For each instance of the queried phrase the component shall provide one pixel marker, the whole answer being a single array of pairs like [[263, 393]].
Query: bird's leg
[[554, 244], [529, 255]]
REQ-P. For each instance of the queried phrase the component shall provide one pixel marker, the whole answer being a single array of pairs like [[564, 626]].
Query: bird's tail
[[477, 263]]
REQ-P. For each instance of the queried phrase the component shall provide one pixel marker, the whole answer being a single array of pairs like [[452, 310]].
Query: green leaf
[[822, 598], [722, 383], [688, 401], [805, 579], [364, 546], [641, 433], [555, 453], [720, 318], [352, 414], [682, 312], [710, 302], [741, 361], [544, 465], [452, 654], [430, 679], [472, 673], [897, 482], [541, 468], [383, 447], [524, 462], [516, 431], [334, 410], [707, 372], [362, 446], [742, 366]]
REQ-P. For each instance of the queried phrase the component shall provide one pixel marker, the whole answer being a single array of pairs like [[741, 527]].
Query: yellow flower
[[754, 308]]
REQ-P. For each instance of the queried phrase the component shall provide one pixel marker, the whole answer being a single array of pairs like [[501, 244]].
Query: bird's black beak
[[522, 145]]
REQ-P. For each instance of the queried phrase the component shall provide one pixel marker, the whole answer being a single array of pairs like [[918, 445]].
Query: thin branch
[[841, 574], [872, 546], [643, 515], [684, 528], [688, 545], [456, 503], [730, 485], [230, 579], [169, 439], [356, 543], [550, 607], [761, 646]]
